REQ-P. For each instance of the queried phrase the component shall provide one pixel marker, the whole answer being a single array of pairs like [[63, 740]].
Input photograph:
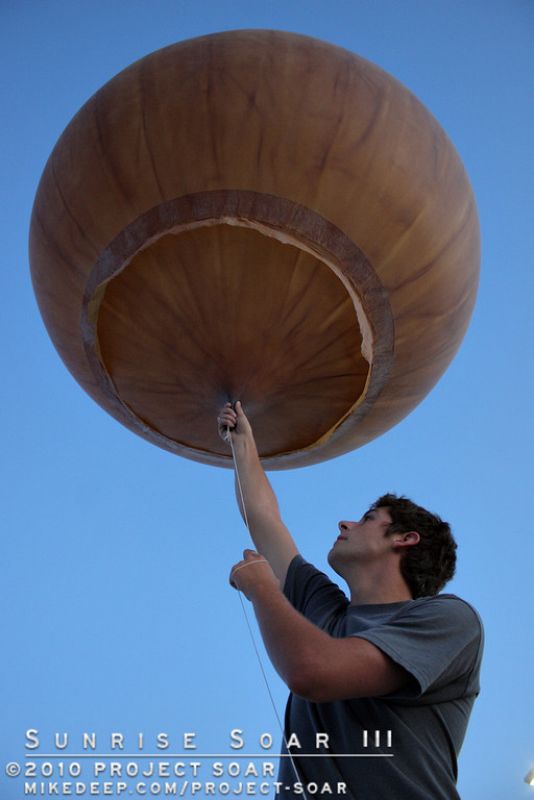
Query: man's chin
[[333, 559], [338, 561]]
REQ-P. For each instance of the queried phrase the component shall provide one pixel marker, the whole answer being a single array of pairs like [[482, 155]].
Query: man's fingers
[[249, 557], [227, 421], [231, 579], [232, 417], [242, 564], [234, 569], [227, 416]]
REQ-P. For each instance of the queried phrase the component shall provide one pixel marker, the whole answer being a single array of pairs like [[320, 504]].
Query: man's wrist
[[265, 591], [243, 443]]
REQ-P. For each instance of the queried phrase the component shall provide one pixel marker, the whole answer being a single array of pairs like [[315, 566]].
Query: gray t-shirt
[[438, 640]]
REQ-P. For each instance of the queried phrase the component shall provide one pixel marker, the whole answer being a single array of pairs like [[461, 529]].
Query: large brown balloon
[[261, 216]]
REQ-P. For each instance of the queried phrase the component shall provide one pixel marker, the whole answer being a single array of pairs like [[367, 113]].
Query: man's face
[[362, 541]]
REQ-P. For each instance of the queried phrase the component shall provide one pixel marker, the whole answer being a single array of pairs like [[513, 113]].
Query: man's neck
[[368, 585]]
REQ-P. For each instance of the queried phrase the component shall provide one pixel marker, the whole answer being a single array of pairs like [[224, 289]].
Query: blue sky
[[116, 612]]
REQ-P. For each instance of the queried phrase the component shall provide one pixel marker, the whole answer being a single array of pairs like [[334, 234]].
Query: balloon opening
[[179, 318]]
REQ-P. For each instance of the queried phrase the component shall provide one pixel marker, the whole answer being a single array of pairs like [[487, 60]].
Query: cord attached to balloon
[[228, 437]]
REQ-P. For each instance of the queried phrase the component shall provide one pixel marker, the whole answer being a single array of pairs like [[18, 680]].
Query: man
[[388, 678]]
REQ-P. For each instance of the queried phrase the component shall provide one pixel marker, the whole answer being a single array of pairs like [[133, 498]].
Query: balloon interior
[[261, 216]]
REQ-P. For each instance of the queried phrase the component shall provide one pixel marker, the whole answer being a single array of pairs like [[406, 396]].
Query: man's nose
[[346, 525]]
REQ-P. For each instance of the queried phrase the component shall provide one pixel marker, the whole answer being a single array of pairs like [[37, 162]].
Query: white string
[[245, 518]]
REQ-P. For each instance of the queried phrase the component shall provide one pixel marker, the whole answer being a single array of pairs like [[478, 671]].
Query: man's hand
[[253, 574], [233, 422]]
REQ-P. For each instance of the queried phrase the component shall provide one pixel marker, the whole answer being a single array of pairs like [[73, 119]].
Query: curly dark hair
[[427, 566]]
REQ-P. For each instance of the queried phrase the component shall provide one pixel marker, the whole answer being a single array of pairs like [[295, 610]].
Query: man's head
[[427, 566], [423, 543]]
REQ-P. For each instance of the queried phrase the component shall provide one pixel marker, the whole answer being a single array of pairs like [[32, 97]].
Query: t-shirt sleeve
[[438, 640], [312, 592]]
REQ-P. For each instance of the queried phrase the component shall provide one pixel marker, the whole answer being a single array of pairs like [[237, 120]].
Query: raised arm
[[269, 534]]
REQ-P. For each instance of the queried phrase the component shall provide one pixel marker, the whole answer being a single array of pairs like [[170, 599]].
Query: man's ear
[[406, 539]]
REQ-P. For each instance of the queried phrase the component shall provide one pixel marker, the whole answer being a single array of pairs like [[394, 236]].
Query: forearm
[[258, 495], [267, 530], [295, 646], [259, 506]]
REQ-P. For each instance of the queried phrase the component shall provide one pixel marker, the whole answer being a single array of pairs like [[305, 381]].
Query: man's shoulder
[[448, 601], [299, 569], [439, 641], [311, 591], [446, 606]]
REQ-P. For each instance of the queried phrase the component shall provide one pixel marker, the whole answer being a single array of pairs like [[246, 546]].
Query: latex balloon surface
[[261, 216]]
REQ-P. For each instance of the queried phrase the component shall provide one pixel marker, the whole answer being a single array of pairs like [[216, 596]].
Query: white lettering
[[266, 741], [163, 741], [236, 738], [32, 739], [189, 743], [89, 741], [61, 745], [293, 741], [117, 741]]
